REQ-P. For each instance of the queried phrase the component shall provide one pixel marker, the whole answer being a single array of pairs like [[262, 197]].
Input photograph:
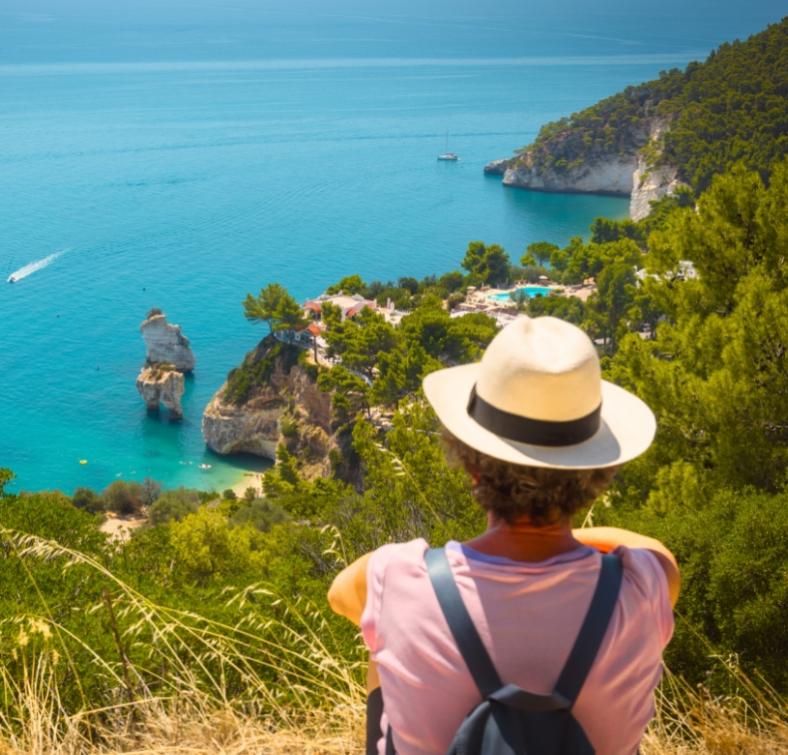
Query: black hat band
[[538, 432]]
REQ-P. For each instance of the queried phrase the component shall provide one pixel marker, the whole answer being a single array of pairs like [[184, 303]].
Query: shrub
[[124, 497], [288, 426], [151, 490], [85, 498], [732, 551], [174, 505], [260, 513], [206, 547], [257, 368]]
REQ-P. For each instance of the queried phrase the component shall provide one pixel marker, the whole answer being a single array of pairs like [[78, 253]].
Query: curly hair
[[513, 491]]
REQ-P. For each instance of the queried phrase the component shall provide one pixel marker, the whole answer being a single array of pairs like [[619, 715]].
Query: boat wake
[[34, 267]]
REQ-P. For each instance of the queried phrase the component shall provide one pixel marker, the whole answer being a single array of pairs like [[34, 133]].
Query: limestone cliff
[[629, 168], [684, 126], [651, 181], [612, 175], [165, 343], [161, 384], [604, 149], [272, 398]]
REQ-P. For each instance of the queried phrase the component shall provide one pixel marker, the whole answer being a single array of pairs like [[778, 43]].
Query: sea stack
[[165, 343], [168, 356], [161, 384]]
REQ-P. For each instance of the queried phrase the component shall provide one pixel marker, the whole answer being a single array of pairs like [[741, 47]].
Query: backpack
[[510, 720]]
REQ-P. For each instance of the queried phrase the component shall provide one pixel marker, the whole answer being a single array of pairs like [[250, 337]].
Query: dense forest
[[730, 108]]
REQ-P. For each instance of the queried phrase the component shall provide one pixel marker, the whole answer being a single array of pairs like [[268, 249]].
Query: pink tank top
[[528, 616]]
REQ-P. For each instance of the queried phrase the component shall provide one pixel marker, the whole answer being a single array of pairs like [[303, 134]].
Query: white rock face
[[624, 175], [614, 176], [249, 428], [166, 344], [651, 183], [158, 386]]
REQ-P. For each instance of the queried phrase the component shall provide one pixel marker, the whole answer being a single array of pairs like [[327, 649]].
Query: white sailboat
[[446, 155]]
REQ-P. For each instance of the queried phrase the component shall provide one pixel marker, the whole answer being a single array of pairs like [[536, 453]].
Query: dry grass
[[314, 705], [186, 728], [189, 727], [693, 722]]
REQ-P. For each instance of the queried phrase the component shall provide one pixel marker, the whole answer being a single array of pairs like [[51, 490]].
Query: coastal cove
[[287, 294], [186, 186], [189, 211]]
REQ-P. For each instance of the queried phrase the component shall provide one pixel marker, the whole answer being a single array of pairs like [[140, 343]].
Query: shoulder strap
[[475, 655], [460, 623], [592, 632]]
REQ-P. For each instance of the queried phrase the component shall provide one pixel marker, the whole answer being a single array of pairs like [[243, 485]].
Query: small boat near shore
[[11, 279]]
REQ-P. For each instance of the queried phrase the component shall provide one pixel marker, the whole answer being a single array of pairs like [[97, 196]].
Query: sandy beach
[[246, 480]]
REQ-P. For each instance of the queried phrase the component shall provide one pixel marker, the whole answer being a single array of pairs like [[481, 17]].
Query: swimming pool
[[529, 291]]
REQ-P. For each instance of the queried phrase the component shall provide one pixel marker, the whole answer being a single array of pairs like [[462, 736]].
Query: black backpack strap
[[592, 632], [464, 632]]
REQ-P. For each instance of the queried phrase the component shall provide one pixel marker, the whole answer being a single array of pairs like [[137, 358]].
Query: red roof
[[314, 329], [356, 308], [313, 305]]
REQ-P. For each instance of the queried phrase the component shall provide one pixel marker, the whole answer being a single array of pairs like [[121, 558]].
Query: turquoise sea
[[184, 165]]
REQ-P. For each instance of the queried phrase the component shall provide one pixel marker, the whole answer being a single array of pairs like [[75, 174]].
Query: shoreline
[[247, 479]]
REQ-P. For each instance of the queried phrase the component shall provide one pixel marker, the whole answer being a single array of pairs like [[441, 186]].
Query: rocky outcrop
[[272, 398], [161, 384], [165, 344], [497, 167], [561, 164], [610, 176], [651, 182]]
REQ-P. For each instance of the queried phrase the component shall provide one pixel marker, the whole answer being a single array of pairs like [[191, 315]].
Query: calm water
[[186, 185]]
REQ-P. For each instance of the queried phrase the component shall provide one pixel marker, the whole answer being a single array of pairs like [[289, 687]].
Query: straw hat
[[537, 398]]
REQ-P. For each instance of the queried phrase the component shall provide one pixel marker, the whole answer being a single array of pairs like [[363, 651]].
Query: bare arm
[[608, 539], [347, 595]]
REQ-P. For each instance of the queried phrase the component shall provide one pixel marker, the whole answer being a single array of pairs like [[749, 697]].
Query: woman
[[541, 435]]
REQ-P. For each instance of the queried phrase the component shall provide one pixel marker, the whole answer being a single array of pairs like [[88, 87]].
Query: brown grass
[[322, 710], [186, 727], [688, 722]]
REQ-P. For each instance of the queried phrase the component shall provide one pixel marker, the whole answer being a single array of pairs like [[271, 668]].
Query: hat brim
[[626, 429]]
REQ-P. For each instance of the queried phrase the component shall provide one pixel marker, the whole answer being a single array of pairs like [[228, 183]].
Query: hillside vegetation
[[211, 620], [733, 107], [208, 629]]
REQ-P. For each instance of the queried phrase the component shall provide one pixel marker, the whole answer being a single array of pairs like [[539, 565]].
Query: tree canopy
[[487, 264], [275, 306]]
